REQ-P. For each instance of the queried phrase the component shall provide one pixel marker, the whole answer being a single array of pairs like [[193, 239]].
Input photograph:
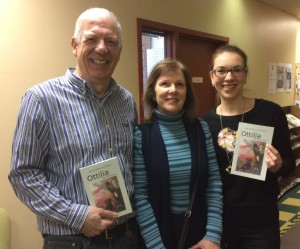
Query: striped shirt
[[175, 139], [63, 126]]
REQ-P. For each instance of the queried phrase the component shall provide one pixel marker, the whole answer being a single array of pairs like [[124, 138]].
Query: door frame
[[172, 34]]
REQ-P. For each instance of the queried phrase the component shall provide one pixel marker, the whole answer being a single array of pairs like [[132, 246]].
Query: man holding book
[[70, 122]]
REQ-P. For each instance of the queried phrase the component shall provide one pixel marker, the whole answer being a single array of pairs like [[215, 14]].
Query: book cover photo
[[249, 152], [105, 187]]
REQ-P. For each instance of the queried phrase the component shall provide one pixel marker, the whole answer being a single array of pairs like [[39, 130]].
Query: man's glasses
[[222, 72]]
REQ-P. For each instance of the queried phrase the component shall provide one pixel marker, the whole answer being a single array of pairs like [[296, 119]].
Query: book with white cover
[[105, 187], [249, 152]]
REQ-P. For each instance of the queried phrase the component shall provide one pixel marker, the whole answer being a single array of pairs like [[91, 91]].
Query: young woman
[[250, 216], [171, 148]]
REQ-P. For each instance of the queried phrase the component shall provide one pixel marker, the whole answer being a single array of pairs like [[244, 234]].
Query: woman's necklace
[[228, 169]]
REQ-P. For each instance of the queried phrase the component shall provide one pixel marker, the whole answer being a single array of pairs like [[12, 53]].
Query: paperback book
[[105, 187], [249, 152]]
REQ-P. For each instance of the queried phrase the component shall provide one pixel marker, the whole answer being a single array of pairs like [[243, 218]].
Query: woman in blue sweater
[[171, 148]]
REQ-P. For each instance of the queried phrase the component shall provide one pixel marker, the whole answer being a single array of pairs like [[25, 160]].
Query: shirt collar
[[83, 87]]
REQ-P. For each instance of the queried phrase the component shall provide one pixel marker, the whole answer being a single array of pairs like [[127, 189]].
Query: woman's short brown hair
[[161, 68]]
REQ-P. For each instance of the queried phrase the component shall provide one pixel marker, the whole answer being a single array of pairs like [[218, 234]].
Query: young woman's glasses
[[222, 72]]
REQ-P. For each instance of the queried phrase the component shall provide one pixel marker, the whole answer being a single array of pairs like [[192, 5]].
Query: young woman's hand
[[273, 159]]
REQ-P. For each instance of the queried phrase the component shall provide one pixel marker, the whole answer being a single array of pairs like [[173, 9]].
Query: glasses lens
[[220, 72], [237, 71]]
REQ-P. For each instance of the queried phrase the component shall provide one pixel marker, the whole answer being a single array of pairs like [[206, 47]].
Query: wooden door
[[196, 54]]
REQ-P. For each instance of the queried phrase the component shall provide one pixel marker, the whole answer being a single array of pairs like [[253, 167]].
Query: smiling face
[[99, 50], [170, 92], [229, 86]]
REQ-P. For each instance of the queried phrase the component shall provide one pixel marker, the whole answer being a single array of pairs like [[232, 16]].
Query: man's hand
[[97, 221]]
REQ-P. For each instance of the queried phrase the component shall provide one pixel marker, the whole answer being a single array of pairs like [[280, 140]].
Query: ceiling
[[291, 7]]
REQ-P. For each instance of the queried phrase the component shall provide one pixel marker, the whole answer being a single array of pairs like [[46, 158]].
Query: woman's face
[[170, 92], [231, 83]]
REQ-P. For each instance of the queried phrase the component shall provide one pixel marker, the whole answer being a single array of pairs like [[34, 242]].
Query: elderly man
[[70, 122]]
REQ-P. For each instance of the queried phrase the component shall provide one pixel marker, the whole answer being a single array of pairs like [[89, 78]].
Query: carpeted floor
[[291, 239], [289, 208]]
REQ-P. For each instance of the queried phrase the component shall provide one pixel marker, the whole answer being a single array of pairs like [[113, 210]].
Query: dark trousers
[[121, 237], [264, 237], [175, 227]]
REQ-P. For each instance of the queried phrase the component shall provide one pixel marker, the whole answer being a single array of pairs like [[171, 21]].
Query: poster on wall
[[280, 77], [288, 78], [272, 78], [297, 86]]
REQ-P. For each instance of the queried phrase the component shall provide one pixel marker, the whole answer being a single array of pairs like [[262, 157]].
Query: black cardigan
[[155, 157]]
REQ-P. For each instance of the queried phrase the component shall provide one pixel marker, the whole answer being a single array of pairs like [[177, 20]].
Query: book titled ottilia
[[105, 187], [249, 152]]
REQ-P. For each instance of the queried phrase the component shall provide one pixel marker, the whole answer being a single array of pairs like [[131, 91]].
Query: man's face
[[98, 52]]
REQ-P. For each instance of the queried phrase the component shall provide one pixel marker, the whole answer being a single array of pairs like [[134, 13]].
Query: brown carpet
[[291, 238]]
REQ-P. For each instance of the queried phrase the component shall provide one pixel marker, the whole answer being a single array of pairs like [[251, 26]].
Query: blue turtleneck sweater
[[179, 158]]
